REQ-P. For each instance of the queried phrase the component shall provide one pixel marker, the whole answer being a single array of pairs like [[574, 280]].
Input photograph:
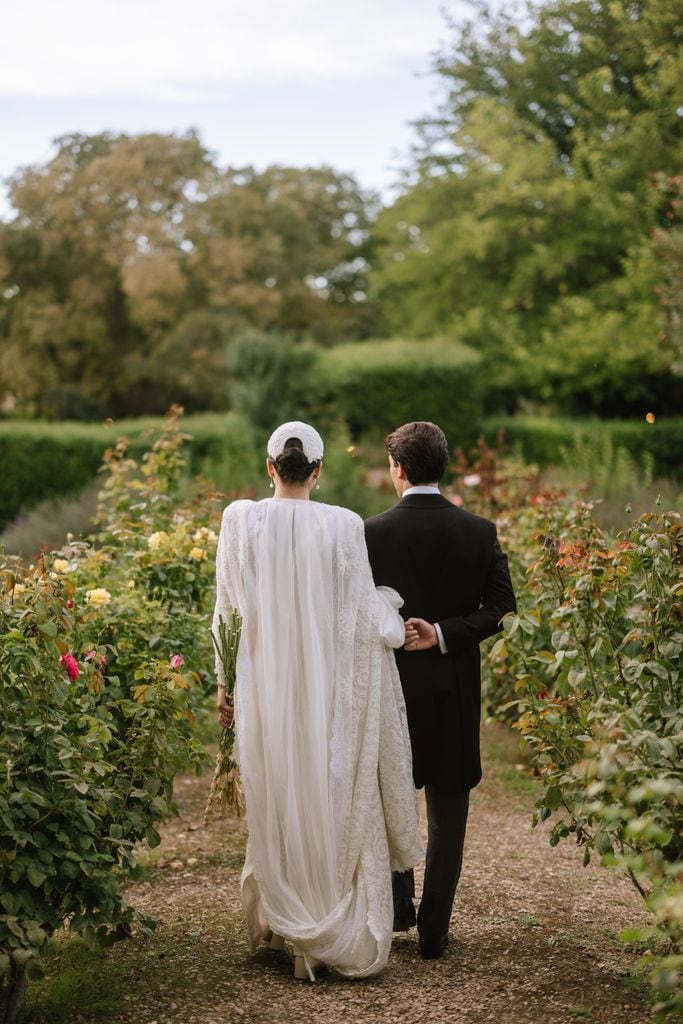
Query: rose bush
[[589, 672], [105, 658]]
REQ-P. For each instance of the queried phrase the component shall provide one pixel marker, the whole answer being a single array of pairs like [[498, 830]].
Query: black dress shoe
[[404, 914], [433, 949]]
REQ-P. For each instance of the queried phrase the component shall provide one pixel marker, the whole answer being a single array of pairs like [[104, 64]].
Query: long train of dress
[[322, 737]]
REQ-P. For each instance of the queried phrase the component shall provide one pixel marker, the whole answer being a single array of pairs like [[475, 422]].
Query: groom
[[448, 566]]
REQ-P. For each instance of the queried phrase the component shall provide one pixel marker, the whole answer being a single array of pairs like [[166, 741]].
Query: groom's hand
[[226, 712], [420, 635]]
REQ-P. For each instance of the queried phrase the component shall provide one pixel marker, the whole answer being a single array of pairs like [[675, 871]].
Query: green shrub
[[542, 439], [41, 460], [591, 668], [105, 657], [377, 385], [589, 672], [270, 377]]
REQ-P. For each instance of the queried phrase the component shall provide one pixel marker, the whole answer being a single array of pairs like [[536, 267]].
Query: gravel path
[[534, 935]]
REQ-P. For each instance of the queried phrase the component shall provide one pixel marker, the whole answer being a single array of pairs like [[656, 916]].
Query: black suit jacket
[[448, 567]]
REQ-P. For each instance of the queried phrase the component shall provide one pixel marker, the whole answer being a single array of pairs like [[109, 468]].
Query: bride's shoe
[[301, 972], [273, 941]]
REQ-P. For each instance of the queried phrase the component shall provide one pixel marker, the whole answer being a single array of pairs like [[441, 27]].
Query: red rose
[[71, 665]]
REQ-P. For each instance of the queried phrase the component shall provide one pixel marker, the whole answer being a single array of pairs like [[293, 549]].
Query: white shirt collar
[[421, 489]]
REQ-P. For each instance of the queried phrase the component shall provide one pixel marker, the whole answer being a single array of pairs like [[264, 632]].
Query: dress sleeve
[[390, 623], [387, 601]]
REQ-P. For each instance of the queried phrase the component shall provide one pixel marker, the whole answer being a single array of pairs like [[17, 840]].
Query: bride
[[322, 740]]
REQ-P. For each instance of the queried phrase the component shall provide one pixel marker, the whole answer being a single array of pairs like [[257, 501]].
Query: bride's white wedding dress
[[322, 737]]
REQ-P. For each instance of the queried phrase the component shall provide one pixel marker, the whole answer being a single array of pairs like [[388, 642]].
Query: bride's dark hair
[[291, 465]]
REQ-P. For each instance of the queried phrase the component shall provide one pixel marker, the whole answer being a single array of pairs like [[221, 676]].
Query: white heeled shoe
[[301, 971], [274, 942]]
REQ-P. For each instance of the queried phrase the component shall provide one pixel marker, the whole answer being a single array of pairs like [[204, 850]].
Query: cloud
[[175, 49]]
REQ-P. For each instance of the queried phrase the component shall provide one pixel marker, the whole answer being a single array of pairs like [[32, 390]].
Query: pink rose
[[176, 660], [71, 665], [69, 604], [94, 656], [456, 500]]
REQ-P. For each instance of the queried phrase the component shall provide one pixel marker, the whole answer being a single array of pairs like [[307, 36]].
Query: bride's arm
[[387, 601], [391, 626]]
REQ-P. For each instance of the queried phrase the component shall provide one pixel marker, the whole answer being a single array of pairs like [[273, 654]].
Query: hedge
[[40, 460], [377, 385], [542, 440]]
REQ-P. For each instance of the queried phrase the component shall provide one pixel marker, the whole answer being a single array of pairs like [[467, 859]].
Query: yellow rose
[[19, 589], [99, 596], [60, 565], [157, 540], [197, 554], [204, 536]]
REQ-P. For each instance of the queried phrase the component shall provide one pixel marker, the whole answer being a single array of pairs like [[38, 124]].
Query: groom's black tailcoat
[[448, 567]]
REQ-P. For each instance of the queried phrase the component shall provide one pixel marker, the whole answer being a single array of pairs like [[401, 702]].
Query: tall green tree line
[[536, 220], [132, 262]]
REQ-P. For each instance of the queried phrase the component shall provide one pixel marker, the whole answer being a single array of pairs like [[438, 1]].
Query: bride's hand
[[226, 712], [420, 635]]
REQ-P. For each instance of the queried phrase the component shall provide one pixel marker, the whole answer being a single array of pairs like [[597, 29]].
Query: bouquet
[[225, 792]]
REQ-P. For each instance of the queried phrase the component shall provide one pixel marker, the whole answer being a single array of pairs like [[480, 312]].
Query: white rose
[[157, 540]]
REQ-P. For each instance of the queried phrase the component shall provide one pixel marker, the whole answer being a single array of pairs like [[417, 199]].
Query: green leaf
[[553, 798], [499, 648], [657, 670], [36, 936], [35, 970], [545, 656], [152, 837], [8, 901], [603, 842], [35, 876], [48, 628]]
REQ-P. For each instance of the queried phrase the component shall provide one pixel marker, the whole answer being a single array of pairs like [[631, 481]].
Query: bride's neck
[[292, 491]]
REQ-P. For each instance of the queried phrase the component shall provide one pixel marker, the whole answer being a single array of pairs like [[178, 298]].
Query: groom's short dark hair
[[421, 448]]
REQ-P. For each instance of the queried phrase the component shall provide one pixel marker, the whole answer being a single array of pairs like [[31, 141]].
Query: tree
[[132, 261], [526, 222], [286, 247], [667, 240], [94, 256]]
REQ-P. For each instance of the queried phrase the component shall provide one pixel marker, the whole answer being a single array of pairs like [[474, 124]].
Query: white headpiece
[[311, 441]]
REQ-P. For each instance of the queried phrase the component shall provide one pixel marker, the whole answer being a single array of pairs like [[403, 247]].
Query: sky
[[263, 81]]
